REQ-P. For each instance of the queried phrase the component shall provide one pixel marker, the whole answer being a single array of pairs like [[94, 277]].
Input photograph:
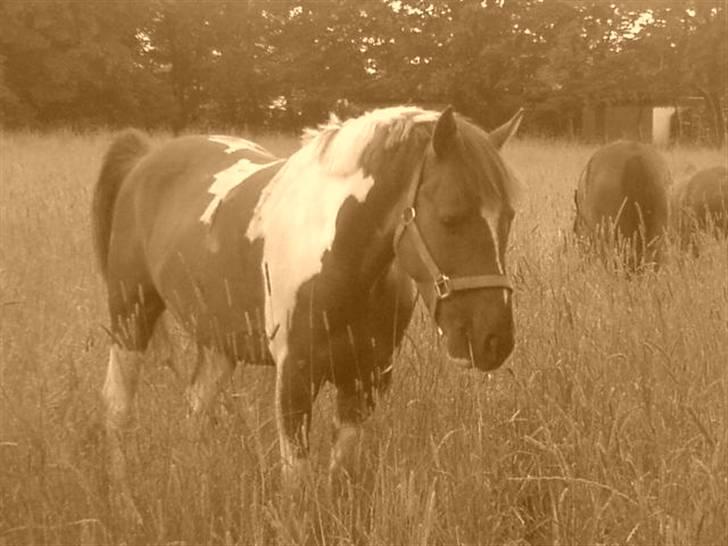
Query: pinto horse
[[306, 263], [621, 199]]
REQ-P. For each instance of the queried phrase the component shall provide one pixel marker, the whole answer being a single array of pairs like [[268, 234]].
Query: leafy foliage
[[250, 64]]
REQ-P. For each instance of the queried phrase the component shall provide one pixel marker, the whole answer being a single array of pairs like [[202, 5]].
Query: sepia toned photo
[[378, 272]]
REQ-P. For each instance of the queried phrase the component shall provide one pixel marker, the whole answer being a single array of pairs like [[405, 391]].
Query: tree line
[[283, 64]]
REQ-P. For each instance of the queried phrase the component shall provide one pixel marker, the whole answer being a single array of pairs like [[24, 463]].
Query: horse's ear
[[445, 131], [501, 135]]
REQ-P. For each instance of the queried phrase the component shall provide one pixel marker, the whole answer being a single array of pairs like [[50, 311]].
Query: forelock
[[486, 158]]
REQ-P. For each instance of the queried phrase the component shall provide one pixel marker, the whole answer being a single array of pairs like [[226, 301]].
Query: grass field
[[607, 426]]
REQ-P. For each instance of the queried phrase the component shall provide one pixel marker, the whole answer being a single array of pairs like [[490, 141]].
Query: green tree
[[704, 63], [240, 65], [322, 53], [179, 51], [67, 61]]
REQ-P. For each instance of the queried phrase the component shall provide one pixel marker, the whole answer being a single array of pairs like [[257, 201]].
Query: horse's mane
[[341, 145]]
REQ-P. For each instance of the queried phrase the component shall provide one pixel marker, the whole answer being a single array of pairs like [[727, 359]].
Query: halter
[[443, 285]]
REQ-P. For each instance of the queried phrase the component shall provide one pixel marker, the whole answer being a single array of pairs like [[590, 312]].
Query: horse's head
[[453, 235]]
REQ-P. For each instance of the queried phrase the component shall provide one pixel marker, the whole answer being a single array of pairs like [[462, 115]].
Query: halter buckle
[[443, 288], [408, 215]]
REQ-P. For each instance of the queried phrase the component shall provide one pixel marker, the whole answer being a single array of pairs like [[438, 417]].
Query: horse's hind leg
[[163, 347], [121, 379], [133, 315], [212, 371]]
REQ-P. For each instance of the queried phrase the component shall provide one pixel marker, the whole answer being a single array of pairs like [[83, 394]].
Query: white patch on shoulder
[[233, 144], [296, 217], [226, 180]]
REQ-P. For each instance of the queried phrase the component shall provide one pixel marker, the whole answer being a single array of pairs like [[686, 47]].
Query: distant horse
[[700, 204], [621, 202], [306, 263]]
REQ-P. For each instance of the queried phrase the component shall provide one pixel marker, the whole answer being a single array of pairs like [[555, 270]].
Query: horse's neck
[[360, 253], [363, 247]]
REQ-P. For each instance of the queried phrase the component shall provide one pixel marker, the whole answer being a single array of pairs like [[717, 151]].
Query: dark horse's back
[[700, 203], [625, 186]]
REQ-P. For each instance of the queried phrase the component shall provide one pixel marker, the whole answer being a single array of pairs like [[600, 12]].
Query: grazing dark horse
[[700, 204], [306, 263], [621, 199]]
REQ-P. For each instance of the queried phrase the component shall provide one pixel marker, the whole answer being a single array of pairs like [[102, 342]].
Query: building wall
[[687, 121], [661, 123], [642, 123]]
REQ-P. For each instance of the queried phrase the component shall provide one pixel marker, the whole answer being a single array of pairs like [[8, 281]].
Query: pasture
[[607, 426]]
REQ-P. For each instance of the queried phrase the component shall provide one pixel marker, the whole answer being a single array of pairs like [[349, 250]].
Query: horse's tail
[[125, 152]]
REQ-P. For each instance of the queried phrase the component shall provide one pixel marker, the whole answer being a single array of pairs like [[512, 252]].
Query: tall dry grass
[[608, 425]]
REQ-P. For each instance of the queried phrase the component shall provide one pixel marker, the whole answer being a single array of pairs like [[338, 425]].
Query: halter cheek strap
[[443, 285]]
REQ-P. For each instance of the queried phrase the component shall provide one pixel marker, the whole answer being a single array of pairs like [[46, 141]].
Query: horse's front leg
[[353, 406], [295, 392]]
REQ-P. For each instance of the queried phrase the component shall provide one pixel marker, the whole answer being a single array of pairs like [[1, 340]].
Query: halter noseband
[[443, 285]]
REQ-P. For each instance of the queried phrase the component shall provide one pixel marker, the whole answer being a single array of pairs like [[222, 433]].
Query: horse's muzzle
[[496, 349], [489, 354]]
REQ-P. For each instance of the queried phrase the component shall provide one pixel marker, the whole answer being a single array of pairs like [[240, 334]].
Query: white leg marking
[[213, 370], [294, 468], [122, 375], [346, 450], [118, 392]]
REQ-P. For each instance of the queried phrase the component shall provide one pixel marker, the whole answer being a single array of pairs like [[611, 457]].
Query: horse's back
[[707, 190], [172, 182], [201, 267], [701, 199], [627, 181]]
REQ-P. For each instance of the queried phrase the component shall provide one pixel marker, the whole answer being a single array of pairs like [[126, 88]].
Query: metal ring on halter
[[408, 215], [443, 288]]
